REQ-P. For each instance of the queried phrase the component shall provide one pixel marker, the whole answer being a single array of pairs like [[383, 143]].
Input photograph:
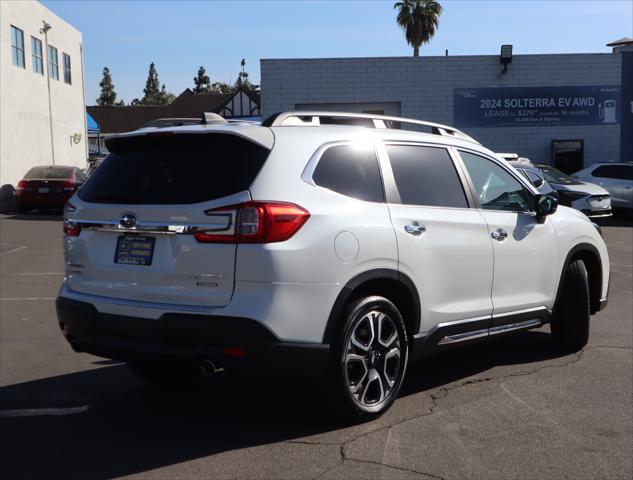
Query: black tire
[[165, 373], [570, 322], [375, 395]]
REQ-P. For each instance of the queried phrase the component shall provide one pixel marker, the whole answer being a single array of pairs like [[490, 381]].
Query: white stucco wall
[[25, 138]]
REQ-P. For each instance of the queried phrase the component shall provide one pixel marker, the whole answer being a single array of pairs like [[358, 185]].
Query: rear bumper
[[187, 336]]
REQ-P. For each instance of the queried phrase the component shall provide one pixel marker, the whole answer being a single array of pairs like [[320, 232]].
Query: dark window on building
[[17, 46], [174, 169], [37, 54], [623, 172], [67, 75], [350, 171], [495, 188], [53, 65], [426, 176]]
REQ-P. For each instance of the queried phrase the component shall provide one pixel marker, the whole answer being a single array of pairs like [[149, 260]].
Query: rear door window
[[350, 171], [621, 172], [426, 176], [174, 169]]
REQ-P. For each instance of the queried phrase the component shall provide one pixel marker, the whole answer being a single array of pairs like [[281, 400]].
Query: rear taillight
[[69, 186], [259, 222], [22, 185], [71, 228]]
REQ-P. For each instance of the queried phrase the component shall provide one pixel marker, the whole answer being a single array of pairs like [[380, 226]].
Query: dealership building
[[568, 110], [42, 108]]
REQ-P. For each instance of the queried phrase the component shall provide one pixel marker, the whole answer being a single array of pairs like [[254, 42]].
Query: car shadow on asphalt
[[620, 218], [37, 215], [132, 428]]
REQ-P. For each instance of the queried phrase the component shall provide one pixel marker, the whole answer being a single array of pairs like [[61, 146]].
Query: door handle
[[415, 228], [499, 234], [628, 187]]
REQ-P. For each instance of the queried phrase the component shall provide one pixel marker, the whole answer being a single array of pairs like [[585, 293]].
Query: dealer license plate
[[134, 250]]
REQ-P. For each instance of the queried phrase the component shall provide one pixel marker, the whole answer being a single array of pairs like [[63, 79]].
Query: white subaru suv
[[318, 243]]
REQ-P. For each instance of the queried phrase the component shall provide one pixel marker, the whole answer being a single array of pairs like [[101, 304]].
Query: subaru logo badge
[[128, 221]]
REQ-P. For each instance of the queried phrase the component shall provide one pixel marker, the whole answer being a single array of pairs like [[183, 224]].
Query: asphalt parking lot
[[516, 408]]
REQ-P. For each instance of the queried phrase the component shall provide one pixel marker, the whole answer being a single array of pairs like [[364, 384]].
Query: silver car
[[617, 178]]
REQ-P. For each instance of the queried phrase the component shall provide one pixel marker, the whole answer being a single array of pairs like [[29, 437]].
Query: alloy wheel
[[372, 358]]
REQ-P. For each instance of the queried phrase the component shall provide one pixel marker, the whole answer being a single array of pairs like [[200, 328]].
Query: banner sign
[[536, 106]]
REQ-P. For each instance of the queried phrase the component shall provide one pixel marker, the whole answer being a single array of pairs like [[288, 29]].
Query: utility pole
[[44, 30]]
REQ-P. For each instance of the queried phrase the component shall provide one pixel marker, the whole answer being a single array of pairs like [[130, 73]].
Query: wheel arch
[[590, 256], [388, 283]]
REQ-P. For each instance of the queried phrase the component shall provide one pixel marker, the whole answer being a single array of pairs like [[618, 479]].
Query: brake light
[[22, 185], [259, 222], [69, 186], [71, 228]]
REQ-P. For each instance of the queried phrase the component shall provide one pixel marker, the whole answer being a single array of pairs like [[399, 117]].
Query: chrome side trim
[[462, 337], [515, 326], [450, 324], [518, 312]]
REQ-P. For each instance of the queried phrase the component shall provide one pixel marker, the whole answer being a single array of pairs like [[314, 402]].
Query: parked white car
[[308, 247], [616, 178]]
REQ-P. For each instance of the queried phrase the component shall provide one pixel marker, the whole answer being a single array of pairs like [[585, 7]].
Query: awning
[[93, 127]]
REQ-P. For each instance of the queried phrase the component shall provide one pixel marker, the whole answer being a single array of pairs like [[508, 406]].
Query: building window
[[38, 59], [17, 46], [67, 75], [53, 66]]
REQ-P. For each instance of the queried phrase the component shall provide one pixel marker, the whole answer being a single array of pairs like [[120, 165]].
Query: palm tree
[[418, 19]]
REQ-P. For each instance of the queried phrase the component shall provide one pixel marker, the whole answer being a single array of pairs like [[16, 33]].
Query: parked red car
[[48, 187]]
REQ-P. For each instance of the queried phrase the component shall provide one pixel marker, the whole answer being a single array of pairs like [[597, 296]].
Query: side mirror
[[545, 205]]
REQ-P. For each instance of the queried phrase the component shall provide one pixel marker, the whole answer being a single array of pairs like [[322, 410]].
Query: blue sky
[[179, 36]]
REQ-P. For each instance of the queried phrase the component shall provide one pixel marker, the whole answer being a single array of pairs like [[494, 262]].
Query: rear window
[[49, 173], [174, 169]]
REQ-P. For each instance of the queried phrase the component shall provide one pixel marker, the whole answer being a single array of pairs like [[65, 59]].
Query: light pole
[[44, 30]]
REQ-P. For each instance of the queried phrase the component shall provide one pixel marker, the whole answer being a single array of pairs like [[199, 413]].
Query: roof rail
[[314, 118]]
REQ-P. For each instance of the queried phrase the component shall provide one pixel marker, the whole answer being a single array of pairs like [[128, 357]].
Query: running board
[[463, 337]]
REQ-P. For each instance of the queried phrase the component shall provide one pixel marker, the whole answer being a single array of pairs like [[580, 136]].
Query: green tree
[[120, 103], [108, 95], [419, 20], [165, 97], [243, 83], [220, 87], [202, 81], [152, 86]]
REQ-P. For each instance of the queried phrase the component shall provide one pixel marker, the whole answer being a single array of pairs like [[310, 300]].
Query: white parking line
[[19, 299], [13, 250], [34, 412], [39, 273]]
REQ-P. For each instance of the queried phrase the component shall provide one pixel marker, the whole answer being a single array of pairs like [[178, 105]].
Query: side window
[[426, 176], [494, 186], [350, 171], [622, 172], [533, 178]]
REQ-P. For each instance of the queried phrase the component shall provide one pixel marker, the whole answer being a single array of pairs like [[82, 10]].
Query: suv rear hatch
[[143, 226]]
